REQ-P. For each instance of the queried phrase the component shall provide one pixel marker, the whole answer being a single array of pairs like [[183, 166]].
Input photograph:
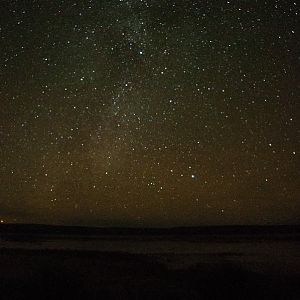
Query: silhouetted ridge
[[203, 230]]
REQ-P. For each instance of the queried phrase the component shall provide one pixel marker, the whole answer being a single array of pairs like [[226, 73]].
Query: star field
[[149, 113]]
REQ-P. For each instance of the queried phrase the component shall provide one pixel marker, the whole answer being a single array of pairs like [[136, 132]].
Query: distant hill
[[39, 229]]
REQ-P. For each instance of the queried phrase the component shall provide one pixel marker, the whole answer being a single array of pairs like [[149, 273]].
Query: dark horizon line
[[202, 229]]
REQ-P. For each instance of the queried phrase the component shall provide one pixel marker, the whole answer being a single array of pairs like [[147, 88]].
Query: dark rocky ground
[[69, 274]]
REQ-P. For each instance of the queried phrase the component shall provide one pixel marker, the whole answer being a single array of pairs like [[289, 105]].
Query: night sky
[[149, 113]]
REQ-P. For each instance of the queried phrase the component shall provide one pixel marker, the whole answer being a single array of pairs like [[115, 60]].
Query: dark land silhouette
[[218, 262]]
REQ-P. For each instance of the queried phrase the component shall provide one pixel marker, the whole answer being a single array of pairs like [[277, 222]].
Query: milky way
[[149, 113]]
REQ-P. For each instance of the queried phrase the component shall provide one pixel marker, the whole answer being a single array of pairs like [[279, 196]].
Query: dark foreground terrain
[[39, 273]]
